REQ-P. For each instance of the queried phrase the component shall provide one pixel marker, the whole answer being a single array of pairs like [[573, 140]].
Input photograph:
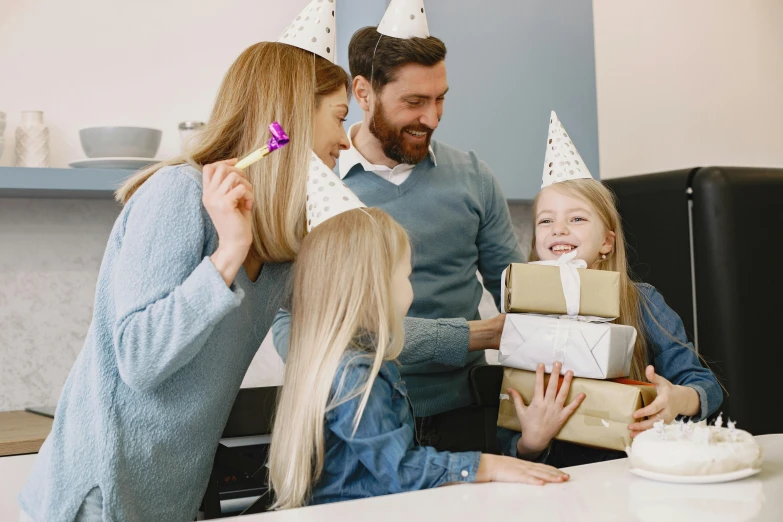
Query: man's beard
[[393, 143]]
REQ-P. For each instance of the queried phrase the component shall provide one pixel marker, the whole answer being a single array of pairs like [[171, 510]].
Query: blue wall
[[509, 63]]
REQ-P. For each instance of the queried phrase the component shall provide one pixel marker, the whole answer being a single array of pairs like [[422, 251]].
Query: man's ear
[[361, 92]]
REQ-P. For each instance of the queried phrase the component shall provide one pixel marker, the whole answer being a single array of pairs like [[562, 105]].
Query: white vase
[[32, 141]]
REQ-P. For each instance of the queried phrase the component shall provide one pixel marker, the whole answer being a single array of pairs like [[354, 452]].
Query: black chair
[[485, 382], [709, 240]]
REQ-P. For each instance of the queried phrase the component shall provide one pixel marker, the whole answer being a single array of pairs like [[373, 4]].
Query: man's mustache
[[418, 128]]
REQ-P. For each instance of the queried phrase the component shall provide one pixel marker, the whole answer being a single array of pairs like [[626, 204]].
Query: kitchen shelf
[[27, 182]]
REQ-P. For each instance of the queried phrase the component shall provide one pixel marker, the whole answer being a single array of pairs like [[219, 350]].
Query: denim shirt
[[381, 457], [677, 363], [669, 351]]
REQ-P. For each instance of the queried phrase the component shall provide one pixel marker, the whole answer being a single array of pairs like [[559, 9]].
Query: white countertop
[[13, 475], [597, 492]]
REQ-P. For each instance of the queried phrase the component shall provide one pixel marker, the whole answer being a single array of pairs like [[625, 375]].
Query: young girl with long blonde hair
[[344, 428], [196, 266], [581, 214]]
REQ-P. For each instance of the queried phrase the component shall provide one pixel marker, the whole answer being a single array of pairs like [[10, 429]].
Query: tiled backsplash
[[50, 253]]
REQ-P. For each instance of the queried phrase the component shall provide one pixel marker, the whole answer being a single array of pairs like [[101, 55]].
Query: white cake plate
[[698, 479]]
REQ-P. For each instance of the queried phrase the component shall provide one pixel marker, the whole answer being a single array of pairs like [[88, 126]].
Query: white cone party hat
[[405, 19], [562, 162], [313, 30], [327, 195]]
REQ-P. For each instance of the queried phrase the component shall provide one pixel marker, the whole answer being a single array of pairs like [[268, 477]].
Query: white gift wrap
[[591, 350]]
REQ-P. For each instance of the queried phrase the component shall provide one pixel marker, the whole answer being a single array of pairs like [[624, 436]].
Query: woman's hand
[[495, 468], [672, 400], [228, 198], [545, 415]]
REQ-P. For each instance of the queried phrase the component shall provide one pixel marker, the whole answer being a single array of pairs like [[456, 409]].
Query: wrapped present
[[592, 350], [600, 421], [562, 287]]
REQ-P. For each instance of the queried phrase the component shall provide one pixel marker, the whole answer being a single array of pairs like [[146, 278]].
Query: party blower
[[279, 139]]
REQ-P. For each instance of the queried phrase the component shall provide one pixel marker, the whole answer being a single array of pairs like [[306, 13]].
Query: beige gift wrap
[[532, 288], [592, 350], [601, 420]]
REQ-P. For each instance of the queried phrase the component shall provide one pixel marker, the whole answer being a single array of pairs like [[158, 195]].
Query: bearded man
[[449, 202]]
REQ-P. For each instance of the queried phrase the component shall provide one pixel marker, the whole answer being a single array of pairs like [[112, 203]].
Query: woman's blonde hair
[[268, 82], [342, 300], [602, 201]]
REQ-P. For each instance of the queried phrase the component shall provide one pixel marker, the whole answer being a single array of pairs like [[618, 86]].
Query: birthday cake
[[694, 449]]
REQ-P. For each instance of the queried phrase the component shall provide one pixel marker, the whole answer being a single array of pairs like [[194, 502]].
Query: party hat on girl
[[405, 19], [327, 195], [313, 30], [562, 162]]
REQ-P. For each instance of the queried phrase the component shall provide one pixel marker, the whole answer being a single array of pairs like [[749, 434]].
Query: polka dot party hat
[[327, 195], [405, 19], [562, 162], [313, 30]]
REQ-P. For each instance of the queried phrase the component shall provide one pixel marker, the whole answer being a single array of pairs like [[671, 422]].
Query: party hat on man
[[562, 162], [313, 30], [405, 19]]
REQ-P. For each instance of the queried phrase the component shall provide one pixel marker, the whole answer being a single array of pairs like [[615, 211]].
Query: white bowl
[[120, 142]]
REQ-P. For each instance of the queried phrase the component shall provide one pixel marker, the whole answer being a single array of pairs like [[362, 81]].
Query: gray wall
[[510, 62]]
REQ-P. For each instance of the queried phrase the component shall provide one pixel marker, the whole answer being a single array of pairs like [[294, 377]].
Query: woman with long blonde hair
[[581, 215], [344, 427], [196, 267]]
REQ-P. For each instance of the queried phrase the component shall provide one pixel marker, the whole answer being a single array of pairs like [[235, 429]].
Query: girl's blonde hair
[[268, 82], [602, 201], [342, 300]]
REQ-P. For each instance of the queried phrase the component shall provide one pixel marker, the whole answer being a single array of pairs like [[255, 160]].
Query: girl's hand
[[672, 400], [495, 468], [228, 198], [545, 415]]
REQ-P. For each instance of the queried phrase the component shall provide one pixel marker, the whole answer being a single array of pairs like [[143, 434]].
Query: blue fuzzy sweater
[[149, 395]]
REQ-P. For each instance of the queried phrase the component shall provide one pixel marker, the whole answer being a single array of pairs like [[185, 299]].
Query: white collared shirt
[[349, 158]]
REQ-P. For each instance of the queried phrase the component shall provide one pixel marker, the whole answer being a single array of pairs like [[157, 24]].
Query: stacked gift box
[[559, 311]]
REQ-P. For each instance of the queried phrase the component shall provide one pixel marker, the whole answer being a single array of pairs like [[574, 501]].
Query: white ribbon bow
[[571, 283], [569, 278]]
